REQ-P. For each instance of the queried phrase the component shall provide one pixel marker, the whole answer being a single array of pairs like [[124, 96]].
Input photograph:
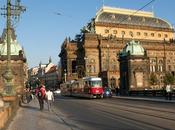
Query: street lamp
[[65, 76], [86, 67], [108, 76]]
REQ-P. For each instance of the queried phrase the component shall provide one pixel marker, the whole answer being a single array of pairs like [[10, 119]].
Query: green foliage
[[153, 79], [169, 78]]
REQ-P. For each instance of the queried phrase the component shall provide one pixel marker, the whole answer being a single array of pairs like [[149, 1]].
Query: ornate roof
[[15, 46], [133, 48], [130, 17]]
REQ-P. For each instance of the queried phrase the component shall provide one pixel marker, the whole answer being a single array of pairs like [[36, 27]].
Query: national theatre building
[[95, 51]]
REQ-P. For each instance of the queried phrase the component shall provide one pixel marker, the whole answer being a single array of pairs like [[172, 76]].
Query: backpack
[[39, 94]]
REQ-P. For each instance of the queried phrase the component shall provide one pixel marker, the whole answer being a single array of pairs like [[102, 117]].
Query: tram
[[89, 87]]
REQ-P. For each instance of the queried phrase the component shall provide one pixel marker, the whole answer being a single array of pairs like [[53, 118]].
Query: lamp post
[[86, 67], [8, 74], [108, 75], [65, 76]]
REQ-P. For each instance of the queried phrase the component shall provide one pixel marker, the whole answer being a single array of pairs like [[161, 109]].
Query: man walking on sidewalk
[[41, 96], [50, 99]]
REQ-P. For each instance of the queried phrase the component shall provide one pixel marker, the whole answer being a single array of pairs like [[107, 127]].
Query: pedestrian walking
[[50, 99], [117, 91], [168, 92], [41, 96]]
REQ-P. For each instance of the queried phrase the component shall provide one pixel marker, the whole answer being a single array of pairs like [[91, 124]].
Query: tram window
[[96, 83]]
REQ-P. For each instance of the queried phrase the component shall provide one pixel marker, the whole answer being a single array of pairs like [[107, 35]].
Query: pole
[[65, 76], [8, 34], [164, 47], [108, 72], [8, 74], [86, 67]]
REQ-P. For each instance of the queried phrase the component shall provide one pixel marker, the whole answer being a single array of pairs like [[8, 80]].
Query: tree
[[153, 79], [169, 78]]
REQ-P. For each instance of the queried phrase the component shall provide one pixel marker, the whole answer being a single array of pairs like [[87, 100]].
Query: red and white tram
[[90, 87]]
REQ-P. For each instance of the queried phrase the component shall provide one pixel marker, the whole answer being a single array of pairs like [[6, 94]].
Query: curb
[[145, 99]]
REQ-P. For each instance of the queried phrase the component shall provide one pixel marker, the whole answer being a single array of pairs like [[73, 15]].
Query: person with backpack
[[41, 96]]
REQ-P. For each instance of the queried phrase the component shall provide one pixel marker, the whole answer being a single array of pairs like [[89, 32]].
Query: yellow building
[[95, 51]]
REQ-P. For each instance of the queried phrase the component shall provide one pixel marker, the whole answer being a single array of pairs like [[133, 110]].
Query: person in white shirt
[[168, 91], [50, 99]]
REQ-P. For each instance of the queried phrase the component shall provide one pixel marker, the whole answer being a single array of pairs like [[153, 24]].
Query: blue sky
[[41, 32]]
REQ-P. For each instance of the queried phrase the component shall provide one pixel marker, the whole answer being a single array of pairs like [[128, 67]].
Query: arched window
[[106, 30], [115, 31], [138, 33], [145, 34]]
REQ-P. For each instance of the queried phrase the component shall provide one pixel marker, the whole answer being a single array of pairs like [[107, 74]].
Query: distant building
[[18, 61], [95, 51], [45, 72]]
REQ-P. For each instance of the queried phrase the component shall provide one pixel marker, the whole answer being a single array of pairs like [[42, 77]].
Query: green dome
[[15, 46], [133, 48]]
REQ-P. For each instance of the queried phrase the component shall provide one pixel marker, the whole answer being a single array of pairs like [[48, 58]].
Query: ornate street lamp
[[65, 75], [108, 60], [86, 66]]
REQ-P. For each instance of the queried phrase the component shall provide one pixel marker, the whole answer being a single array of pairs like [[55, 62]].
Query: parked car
[[57, 92], [107, 92]]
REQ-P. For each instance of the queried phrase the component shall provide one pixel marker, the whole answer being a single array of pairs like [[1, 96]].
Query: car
[[107, 92], [57, 92]]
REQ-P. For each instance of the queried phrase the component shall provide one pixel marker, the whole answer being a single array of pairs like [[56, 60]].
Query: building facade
[[48, 73], [96, 49]]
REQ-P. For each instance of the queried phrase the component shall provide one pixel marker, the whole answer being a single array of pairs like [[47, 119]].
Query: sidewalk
[[29, 117]]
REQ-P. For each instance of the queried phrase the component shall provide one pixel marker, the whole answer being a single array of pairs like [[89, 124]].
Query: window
[[74, 64], [169, 67], [123, 33], [159, 35], [153, 61], [138, 33], [92, 68], [153, 68], [106, 31], [115, 31], [160, 61], [160, 68], [145, 34], [131, 33], [166, 35], [152, 34]]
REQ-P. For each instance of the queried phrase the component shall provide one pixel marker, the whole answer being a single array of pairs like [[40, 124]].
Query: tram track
[[147, 111], [139, 115]]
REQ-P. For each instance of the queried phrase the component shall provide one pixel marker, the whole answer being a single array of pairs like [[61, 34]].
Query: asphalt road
[[115, 114]]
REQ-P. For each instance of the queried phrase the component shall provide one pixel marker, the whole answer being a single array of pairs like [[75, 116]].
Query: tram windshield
[[96, 83]]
